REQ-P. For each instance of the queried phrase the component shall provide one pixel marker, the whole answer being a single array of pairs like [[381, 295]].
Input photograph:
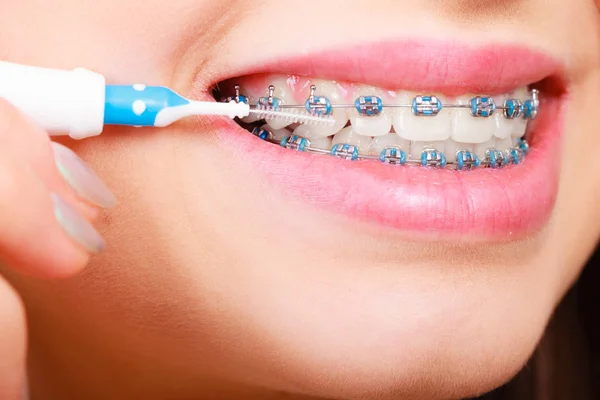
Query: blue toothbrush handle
[[138, 105], [78, 103]]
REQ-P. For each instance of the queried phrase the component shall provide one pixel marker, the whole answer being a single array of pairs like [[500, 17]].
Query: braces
[[425, 106], [421, 105], [429, 157]]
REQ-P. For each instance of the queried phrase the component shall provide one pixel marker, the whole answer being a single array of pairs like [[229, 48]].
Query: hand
[[47, 198]]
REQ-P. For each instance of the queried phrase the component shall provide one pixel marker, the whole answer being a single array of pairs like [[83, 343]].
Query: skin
[[214, 284]]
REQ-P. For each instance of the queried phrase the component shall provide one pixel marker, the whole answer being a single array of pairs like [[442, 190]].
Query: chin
[[394, 356]]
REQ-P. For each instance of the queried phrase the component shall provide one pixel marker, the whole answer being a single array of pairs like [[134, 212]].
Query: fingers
[[56, 165], [40, 233], [12, 344], [81, 179], [47, 195], [44, 229]]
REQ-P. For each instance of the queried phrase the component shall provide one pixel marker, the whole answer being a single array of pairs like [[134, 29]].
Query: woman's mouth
[[394, 127], [464, 152]]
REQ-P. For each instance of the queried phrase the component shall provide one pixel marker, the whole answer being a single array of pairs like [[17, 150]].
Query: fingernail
[[76, 226], [81, 178]]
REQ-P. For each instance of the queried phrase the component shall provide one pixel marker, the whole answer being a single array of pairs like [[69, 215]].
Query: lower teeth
[[429, 157]]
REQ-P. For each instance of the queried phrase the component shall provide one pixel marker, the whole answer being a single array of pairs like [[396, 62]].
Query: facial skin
[[217, 285]]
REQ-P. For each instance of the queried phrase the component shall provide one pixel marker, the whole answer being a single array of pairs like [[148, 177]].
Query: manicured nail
[[76, 226], [81, 178]]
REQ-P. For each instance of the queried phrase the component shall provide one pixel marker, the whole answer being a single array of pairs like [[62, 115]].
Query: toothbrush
[[79, 103]]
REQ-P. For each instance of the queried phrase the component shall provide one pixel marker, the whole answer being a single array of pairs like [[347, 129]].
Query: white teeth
[[316, 141], [494, 143], [481, 148], [400, 114], [417, 148], [469, 129], [331, 91], [307, 131], [451, 147], [285, 96], [420, 128], [251, 100], [391, 139], [502, 127], [504, 144], [370, 126], [323, 143], [349, 136], [518, 126], [278, 134]]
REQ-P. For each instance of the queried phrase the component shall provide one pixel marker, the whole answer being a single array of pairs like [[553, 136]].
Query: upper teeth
[[370, 121], [469, 119]]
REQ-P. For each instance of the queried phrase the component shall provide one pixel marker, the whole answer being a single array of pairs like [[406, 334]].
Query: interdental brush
[[79, 103]]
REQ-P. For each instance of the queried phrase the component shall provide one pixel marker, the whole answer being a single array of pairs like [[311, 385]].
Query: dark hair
[[566, 364]]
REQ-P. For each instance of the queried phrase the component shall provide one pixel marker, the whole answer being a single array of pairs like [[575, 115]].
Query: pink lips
[[488, 204]]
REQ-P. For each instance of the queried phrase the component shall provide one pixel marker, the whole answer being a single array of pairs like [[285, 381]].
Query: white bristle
[[292, 115]]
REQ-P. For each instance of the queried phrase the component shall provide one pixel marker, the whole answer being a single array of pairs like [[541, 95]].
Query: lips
[[490, 205]]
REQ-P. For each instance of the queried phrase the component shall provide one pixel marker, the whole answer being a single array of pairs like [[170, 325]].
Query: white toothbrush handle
[[62, 102], [78, 103]]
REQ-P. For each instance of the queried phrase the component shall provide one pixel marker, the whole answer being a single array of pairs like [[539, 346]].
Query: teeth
[[285, 96], [420, 128], [417, 148], [518, 126], [502, 125], [504, 144], [469, 129], [481, 148], [400, 115], [306, 131], [451, 147], [370, 126], [323, 143], [278, 134], [316, 141], [493, 143], [251, 100], [349, 136], [332, 91], [391, 139]]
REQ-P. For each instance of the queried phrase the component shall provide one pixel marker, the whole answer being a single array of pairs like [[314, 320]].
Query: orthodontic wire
[[466, 159], [480, 106]]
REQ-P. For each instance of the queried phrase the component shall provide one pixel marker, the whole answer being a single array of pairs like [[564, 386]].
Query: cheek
[[127, 41], [338, 331], [250, 291], [576, 221]]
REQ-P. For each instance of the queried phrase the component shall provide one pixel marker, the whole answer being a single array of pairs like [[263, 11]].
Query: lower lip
[[487, 204]]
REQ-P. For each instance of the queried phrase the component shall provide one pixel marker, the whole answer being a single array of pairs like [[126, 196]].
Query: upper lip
[[442, 67]]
